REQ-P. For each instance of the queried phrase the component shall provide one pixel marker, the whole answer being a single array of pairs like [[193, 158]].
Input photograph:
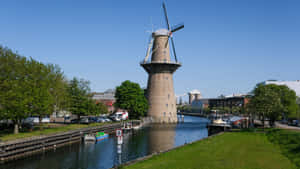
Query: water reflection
[[105, 154], [161, 137]]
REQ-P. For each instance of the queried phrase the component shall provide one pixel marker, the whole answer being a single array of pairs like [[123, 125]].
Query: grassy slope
[[289, 143], [240, 150], [45, 131]]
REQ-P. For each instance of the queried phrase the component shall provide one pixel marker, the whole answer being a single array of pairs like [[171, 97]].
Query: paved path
[[284, 126]]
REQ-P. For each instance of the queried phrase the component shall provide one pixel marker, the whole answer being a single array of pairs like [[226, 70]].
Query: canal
[[105, 154]]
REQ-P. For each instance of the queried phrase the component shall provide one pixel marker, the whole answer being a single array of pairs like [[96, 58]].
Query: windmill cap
[[161, 32]]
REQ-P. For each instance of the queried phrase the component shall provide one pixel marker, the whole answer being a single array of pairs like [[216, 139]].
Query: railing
[[166, 62]]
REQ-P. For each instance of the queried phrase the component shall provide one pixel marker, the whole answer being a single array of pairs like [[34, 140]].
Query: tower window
[[167, 105]]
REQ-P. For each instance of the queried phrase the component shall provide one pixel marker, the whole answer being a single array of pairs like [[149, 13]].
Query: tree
[[58, 88], [271, 101], [28, 87], [102, 109], [40, 87], [78, 97], [15, 93], [131, 97], [206, 110]]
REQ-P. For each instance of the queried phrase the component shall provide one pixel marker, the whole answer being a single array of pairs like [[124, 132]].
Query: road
[[284, 126]]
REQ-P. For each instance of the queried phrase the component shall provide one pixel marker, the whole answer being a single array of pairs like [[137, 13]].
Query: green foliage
[[101, 108], [15, 92], [189, 109], [131, 97], [206, 110], [78, 97], [272, 101], [288, 142], [31, 88], [80, 102], [27, 87]]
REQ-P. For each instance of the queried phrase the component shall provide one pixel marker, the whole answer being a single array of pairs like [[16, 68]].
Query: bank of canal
[[105, 155]]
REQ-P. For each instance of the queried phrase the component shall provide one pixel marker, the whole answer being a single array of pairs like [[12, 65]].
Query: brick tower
[[160, 90]]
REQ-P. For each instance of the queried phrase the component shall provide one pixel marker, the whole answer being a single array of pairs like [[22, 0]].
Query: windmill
[[160, 91], [169, 32]]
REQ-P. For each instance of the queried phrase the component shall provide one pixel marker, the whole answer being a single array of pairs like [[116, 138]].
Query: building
[[294, 85], [234, 100], [229, 101], [107, 98], [160, 90], [160, 68], [194, 95], [200, 103]]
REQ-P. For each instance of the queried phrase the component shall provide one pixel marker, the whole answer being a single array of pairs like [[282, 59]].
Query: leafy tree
[[226, 109], [27, 87], [58, 88], [14, 95], [236, 109], [102, 109], [39, 84], [271, 101], [78, 97], [93, 108], [206, 110], [131, 97]]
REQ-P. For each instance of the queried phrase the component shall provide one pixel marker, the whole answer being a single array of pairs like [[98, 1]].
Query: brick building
[[107, 98]]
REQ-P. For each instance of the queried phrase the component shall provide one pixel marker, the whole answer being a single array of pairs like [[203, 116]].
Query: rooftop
[[195, 91]]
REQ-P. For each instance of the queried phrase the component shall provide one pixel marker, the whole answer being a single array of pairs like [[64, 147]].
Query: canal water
[[106, 154]]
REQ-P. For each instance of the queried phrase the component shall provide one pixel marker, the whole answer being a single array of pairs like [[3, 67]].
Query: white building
[[194, 95], [294, 85]]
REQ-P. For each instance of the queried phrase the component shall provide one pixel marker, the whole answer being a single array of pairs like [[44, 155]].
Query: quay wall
[[16, 149]]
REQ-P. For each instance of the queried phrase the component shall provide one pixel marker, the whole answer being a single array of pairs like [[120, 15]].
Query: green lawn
[[289, 143], [236, 150], [44, 130]]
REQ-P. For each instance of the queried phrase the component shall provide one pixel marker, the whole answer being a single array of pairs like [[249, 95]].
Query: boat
[[220, 122], [137, 127], [101, 136], [89, 137], [127, 127]]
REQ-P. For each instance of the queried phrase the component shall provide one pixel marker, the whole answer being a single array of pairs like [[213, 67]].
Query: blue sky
[[227, 46]]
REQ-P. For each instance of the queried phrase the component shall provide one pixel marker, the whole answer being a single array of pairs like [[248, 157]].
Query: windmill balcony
[[159, 62]]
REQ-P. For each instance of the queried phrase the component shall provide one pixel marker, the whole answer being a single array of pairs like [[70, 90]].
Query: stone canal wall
[[21, 148]]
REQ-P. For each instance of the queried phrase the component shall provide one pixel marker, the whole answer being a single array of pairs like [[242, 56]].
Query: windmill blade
[[177, 27], [166, 15], [173, 47], [149, 49]]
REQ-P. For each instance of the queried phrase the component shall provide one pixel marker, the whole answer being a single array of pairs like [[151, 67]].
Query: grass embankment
[[289, 143], [236, 150], [45, 129]]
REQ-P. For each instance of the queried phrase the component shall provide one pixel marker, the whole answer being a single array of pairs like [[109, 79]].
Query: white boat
[[219, 121], [127, 127], [137, 127], [89, 137]]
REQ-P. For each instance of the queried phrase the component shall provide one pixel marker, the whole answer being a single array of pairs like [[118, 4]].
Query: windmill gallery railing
[[160, 62]]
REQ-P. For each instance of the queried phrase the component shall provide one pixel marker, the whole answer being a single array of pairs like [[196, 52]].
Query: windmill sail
[[149, 49]]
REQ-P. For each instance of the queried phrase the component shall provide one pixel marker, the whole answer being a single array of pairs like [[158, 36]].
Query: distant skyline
[[226, 47]]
